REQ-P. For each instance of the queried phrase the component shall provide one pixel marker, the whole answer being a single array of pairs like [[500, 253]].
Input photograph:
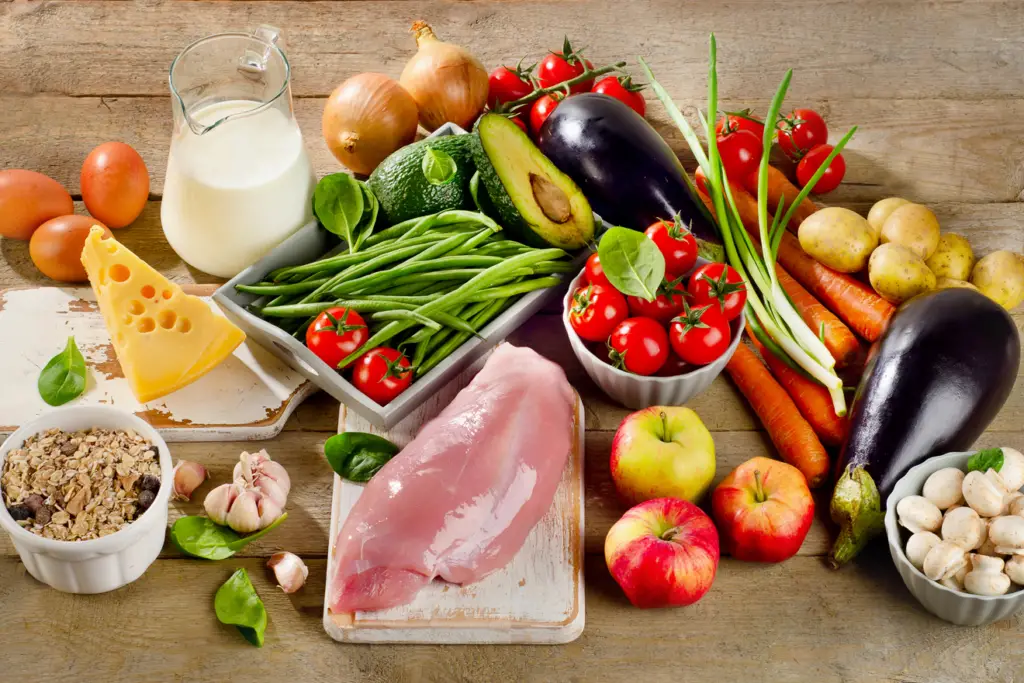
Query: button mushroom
[[956, 582], [918, 546], [944, 560], [917, 513], [983, 494], [944, 487], [986, 576], [1015, 504], [964, 527], [1015, 569], [1012, 470], [1007, 533]]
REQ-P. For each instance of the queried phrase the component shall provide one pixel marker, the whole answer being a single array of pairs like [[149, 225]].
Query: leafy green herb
[[632, 262], [338, 204], [237, 604], [63, 378], [369, 219], [438, 166], [357, 456], [983, 461], [201, 537], [474, 191]]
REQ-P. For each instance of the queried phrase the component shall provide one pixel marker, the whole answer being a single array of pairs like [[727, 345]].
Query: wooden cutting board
[[536, 598], [248, 396]]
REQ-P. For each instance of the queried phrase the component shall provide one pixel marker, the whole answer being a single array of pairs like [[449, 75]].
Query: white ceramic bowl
[[637, 391], [953, 606], [102, 564]]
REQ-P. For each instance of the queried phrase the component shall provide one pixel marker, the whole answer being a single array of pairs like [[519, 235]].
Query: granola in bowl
[[77, 486]]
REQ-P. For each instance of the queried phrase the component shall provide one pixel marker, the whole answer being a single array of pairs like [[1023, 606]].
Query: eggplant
[[626, 169], [933, 383]]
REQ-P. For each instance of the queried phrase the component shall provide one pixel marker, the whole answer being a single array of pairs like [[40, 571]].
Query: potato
[[838, 238], [953, 258], [1000, 277], [881, 210], [950, 283], [913, 226], [897, 273]]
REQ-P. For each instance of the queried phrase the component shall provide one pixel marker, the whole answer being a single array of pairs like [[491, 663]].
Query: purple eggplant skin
[[934, 381], [627, 171]]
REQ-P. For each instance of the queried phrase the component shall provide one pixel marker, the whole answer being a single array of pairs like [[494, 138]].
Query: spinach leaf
[[982, 461], [338, 204], [237, 604], [201, 537], [474, 191], [357, 456], [63, 378], [632, 262], [369, 219], [438, 166]]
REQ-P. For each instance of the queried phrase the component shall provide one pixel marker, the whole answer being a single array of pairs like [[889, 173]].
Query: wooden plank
[[796, 621]]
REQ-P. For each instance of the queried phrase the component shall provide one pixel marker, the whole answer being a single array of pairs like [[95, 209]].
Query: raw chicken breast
[[460, 499]]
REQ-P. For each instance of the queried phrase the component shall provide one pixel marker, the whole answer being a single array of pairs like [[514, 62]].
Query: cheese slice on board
[[164, 339]]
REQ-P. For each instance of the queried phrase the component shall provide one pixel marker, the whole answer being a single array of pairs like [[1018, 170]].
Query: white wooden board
[[537, 598], [248, 396]]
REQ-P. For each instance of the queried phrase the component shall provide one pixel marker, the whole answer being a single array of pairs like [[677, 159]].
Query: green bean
[[336, 263], [294, 288], [399, 314], [420, 353], [358, 305], [441, 248], [361, 269], [512, 290], [390, 275], [473, 242], [444, 350]]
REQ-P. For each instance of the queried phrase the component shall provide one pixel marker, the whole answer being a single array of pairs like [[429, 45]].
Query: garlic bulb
[[258, 471], [187, 478], [219, 502], [289, 570], [255, 499]]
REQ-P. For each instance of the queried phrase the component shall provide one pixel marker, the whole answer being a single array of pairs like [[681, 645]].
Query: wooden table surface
[[938, 92]]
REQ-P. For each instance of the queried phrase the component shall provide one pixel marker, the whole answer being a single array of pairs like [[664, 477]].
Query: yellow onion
[[447, 82], [367, 118]]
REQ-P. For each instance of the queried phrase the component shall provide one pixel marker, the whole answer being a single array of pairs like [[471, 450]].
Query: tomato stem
[[564, 86]]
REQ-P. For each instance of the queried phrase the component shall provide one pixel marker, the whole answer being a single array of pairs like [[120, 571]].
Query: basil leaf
[[237, 604], [63, 378], [371, 207], [338, 205], [982, 461], [632, 262], [201, 537], [438, 166], [357, 456]]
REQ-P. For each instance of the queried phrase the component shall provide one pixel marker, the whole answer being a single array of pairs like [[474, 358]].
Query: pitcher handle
[[254, 62]]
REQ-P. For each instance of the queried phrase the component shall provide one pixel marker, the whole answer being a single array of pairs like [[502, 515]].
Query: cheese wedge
[[164, 339]]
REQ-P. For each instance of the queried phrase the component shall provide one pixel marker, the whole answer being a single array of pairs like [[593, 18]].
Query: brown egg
[[56, 247], [115, 184], [29, 199]]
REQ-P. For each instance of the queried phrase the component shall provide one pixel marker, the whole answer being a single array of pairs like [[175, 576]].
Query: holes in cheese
[[184, 325], [166, 294], [135, 307], [111, 246], [120, 272], [147, 292], [146, 325], [167, 319]]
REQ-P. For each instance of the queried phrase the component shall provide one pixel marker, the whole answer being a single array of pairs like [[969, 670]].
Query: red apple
[[663, 553], [763, 510]]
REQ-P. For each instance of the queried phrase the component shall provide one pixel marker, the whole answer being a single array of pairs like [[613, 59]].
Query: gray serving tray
[[312, 242]]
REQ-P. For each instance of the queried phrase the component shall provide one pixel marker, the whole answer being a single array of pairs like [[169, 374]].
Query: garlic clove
[[944, 487], [917, 513], [244, 515], [1012, 470], [918, 546], [269, 511], [219, 501], [188, 476], [1015, 569], [289, 570], [275, 471], [1007, 534], [983, 494], [243, 472], [271, 489], [964, 527], [944, 560]]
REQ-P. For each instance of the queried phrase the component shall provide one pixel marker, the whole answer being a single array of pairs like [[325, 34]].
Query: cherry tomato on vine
[[700, 334], [596, 310], [741, 153], [676, 244], [810, 164], [594, 271], [335, 334], [559, 67], [719, 284], [542, 108], [382, 374], [507, 84], [666, 305], [741, 120], [638, 345], [800, 132], [623, 89]]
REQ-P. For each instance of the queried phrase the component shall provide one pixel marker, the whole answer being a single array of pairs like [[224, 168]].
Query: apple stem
[[669, 534], [758, 490], [664, 428]]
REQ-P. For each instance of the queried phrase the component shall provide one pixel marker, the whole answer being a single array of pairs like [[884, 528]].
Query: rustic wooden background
[[937, 89]]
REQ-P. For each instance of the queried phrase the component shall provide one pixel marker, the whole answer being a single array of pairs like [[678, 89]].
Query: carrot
[[811, 398], [838, 338], [779, 187], [789, 431]]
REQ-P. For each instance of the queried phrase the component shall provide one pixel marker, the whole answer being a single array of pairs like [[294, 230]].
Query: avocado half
[[538, 204]]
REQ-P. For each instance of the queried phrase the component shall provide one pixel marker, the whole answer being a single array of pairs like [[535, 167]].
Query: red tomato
[[638, 345], [519, 122], [335, 334], [720, 284], [559, 67], [741, 153], [800, 132], [674, 366], [595, 273], [676, 244], [700, 335], [665, 306], [813, 160], [382, 374], [507, 84], [622, 89], [542, 108], [701, 181], [596, 310], [740, 120]]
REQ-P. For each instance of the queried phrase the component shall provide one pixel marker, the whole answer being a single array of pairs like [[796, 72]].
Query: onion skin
[[367, 118], [447, 82]]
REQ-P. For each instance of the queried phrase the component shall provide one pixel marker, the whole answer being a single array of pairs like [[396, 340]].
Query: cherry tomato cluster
[[687, 323], [802, 135], [382, 373]]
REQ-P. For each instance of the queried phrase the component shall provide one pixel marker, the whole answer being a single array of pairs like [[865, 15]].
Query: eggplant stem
[[857, 509]]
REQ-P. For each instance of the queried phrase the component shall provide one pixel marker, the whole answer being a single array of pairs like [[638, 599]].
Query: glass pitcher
[[238, 179]]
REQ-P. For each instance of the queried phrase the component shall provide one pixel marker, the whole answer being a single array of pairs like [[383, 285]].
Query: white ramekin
[[953, 606], [636, 391], [101, 564]]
